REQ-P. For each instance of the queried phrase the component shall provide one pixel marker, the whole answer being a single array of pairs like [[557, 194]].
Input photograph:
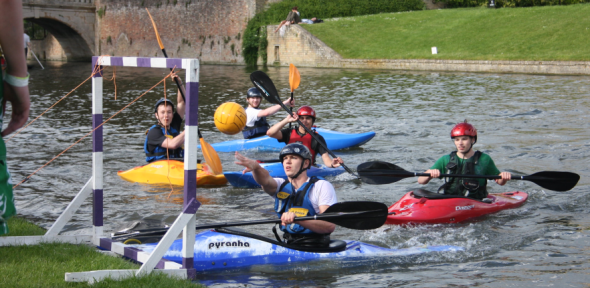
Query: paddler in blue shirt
[[256, 124], [307, 116], [465, 161], [298, 196], [164, 139]]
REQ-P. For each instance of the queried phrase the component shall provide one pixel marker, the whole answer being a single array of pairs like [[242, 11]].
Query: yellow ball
[[230, 118]]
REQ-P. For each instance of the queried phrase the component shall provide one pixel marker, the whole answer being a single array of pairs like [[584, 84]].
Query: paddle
[[294, 79], [176, 79], [210, 155], [379, 172], [269, 92], [358, 215]]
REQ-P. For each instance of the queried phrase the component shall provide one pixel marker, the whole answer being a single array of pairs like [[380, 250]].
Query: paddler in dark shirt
[[298, 196], [465, 161], [307, 116], [164, 139], [256, 124]]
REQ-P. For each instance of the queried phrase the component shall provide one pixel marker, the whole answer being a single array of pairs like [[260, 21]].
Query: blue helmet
[[253, 92], [161, 102]]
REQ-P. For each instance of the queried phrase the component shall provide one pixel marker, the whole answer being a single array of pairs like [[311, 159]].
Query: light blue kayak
[[334, 140], [223, 251], [237, 179]]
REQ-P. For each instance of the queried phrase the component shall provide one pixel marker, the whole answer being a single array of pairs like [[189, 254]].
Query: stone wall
[[47, 49], [297, 46], [210, 30]]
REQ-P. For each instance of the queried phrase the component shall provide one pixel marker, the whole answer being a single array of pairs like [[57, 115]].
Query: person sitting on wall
[[292, 18]]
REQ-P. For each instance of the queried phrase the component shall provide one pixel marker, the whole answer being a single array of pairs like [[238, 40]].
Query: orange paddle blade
[[155, 29], [211, 157], [294, 77]]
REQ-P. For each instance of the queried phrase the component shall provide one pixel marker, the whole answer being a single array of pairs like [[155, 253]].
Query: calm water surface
[[526, 123]]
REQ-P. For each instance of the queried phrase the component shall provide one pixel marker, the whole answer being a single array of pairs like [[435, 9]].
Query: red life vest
[[305, 140]]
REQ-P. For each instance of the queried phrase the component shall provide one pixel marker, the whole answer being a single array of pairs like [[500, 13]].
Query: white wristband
[[17, 81]]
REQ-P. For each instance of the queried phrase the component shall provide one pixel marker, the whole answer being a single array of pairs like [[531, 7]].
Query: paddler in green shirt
[[465, 161]]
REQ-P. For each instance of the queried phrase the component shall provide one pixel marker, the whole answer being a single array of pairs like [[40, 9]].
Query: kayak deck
[[334, 140], [246, 180], [424, 207], [170, 172]]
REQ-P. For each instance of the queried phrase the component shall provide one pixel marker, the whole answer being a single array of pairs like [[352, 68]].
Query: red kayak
[[421, 206]]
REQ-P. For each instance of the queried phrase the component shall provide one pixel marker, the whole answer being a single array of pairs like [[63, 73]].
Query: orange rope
[[115, 82], [89, 133], [96, 70]]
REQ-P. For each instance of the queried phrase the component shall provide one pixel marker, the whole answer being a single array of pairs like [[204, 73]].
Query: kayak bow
[[424, 207], [334, 140], [170, 172]]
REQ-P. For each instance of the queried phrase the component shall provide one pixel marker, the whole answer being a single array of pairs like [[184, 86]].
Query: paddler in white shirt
[[256, 124], [298, 196]]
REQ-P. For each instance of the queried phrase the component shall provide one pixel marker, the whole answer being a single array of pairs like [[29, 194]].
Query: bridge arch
[[72, 23]]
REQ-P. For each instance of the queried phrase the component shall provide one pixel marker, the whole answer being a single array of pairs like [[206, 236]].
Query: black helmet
[[253, 92], [161, 101], [296, 149]]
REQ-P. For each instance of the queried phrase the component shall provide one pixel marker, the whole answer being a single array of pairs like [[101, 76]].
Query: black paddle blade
[[380, 172], [266, 87], [554, 180], [359, 215]]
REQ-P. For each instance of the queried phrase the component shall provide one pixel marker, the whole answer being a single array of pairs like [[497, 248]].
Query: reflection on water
[[526, 123]]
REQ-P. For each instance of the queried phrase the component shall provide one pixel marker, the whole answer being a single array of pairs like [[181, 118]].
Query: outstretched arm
[[261, 175], [274, 109]]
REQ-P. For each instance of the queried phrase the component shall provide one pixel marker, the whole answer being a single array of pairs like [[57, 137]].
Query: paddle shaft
[[291, 108], [330, 217], [317, 139], [415, 174]]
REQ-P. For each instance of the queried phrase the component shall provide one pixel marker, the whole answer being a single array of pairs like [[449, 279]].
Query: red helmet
[[306, 111], [464, 129]]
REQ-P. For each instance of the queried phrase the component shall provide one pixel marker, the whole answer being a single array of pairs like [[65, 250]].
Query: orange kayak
[[170, 172]]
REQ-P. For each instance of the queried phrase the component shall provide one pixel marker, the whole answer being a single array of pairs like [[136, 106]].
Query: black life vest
[[259, 129], [469, 187]]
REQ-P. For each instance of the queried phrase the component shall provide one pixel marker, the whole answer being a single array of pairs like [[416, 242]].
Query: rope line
[[92, 131]]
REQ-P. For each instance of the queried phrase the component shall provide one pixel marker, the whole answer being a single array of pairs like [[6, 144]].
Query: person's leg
[[7, 208]]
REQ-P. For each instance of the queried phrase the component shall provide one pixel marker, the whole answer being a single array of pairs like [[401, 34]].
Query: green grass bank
[[534, 33], [45, 265]]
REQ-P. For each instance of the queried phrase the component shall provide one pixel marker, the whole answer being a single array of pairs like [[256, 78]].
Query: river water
[[527, 123]]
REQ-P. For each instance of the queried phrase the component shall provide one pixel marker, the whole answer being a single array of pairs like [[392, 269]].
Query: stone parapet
[[297, 46]]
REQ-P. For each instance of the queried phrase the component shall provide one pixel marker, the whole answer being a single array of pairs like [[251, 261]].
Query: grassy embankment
[[45, 265], [535, 33]]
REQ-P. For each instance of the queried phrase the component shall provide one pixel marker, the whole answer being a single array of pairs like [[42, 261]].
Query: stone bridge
[[71, 22]]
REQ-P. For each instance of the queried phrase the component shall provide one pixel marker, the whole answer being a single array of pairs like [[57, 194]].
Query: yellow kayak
[[170, 172]]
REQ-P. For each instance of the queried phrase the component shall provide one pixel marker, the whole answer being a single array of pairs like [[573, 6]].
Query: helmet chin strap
[[300, 170]]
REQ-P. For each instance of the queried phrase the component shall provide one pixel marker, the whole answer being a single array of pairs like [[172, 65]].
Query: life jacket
[[160, 152], [259, 129], [295, 201], [306, 140], [469, 187]]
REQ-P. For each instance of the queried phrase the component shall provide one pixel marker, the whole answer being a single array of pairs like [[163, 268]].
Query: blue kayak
[[334, 140], [235, 249], [237, 179]]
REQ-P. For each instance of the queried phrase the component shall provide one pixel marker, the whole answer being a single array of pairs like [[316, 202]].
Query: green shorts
[[7, 208]]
